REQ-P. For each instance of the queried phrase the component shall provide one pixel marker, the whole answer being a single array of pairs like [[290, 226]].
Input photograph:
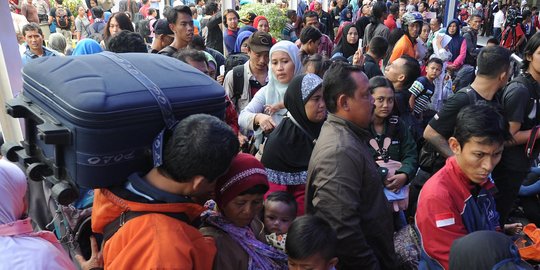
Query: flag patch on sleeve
[[444, 219]]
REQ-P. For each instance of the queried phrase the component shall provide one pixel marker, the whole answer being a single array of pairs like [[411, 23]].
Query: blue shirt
[[28, 54]]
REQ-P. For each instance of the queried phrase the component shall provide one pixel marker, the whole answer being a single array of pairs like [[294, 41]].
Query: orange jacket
[[403, 46], [151, 241]]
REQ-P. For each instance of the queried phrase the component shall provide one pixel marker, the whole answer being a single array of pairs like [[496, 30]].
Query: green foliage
[[71, 4], [276, 17]]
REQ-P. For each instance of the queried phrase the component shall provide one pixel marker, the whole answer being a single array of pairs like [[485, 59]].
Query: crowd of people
[[361, 121]]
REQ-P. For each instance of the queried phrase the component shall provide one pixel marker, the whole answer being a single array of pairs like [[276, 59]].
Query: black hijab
[[344, 47], [288, 148]]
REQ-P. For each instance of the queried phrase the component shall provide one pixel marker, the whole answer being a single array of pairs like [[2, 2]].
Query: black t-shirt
[[515, 102], [444, 121]]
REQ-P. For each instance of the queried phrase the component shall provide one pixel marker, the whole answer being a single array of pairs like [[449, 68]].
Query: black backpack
[[534, 102], [234, 60], [238, 83], [143, 27]]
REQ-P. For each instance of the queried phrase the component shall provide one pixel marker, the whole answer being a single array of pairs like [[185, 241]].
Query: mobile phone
[[222, 70]]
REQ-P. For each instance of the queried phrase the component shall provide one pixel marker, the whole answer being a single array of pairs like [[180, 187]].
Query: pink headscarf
[[259, 18], [20, 246]]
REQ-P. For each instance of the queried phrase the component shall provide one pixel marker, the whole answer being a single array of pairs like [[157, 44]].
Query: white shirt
[[498, 20]]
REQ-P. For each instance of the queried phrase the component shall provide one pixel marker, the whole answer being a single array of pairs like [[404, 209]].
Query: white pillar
[[10, 73], [450, 14]]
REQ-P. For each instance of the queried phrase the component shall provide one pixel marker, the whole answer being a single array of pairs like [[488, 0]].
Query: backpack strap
[[238, 83], [110, 229]]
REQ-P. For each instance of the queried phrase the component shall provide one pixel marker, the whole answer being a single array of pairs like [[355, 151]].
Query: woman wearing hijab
[[266, 110], [457, 46], [261, 24], [348, 44], [87, 46], [240, 46], [20, 246], [235, 227], [288, 148]]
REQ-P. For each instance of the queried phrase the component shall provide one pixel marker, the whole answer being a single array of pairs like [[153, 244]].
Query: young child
[[423, 88], [311, 244], [279, 213]]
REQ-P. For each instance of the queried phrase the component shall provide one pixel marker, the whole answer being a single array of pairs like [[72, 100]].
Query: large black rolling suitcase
[[89, 122]]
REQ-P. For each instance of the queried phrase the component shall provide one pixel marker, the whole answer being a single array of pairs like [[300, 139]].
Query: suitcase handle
[[159, 96]]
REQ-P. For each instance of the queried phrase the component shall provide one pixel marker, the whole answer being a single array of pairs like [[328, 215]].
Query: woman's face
[[425, 32], [244, 47], [93, 4], [114, 27], [315, 107], [80, 11], [282, 66], [241, 210], [352, 36], [452, 29], [384, 101], [534, 59], [263, 26]]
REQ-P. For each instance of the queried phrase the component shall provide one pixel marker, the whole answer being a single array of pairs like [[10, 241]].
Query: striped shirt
[[422, 89]]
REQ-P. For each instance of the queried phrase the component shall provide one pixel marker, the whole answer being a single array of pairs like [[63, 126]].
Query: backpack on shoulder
[[62, 19], [143, 27], [234, 60]]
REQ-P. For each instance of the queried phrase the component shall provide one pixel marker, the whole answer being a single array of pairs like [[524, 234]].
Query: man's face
[[232, 21], [435, 25], [394, 71], [414, 29], [201, 66], [33, 39], [475, 158], [312, 21], [402, 10], [258, 60], [475, 22], [183, 28], [360, 105]]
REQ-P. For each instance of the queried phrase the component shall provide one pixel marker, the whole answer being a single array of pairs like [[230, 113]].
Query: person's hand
[[220, 79], [242, 139], [451, 67], [438, 41], [95, 261], [513, 228], [358, 58], [271, 109], [395, 182], [265, 122]]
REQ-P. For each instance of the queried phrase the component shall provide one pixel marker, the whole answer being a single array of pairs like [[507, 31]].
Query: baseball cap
[[161, 27], [248, 18], [260, 42]]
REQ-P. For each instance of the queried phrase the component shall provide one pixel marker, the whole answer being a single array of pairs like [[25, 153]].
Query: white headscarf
[[24, 249], [276, 90], [12, 190]]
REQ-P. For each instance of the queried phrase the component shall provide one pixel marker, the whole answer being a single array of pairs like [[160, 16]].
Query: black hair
[[190, 54], [319, 62], [284, 197], [475, 15], [98, 12], [378, 46], [530, 48], [257, 189], [310, 33], [425, 4], [127, 41], [411, 70], [377, 12], [310, 14], [481, 121], [227, 11], [197, 141], [60, 2], [290, 13], [492, 41], [337, 80], [436, 61], [197, 43], [492, 61], [393, 38], [311, 235], [526, 13], [394, 9], [380, 81], [172, 13], [31, 27], [144, 2], [123, 21], [210, 8]]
